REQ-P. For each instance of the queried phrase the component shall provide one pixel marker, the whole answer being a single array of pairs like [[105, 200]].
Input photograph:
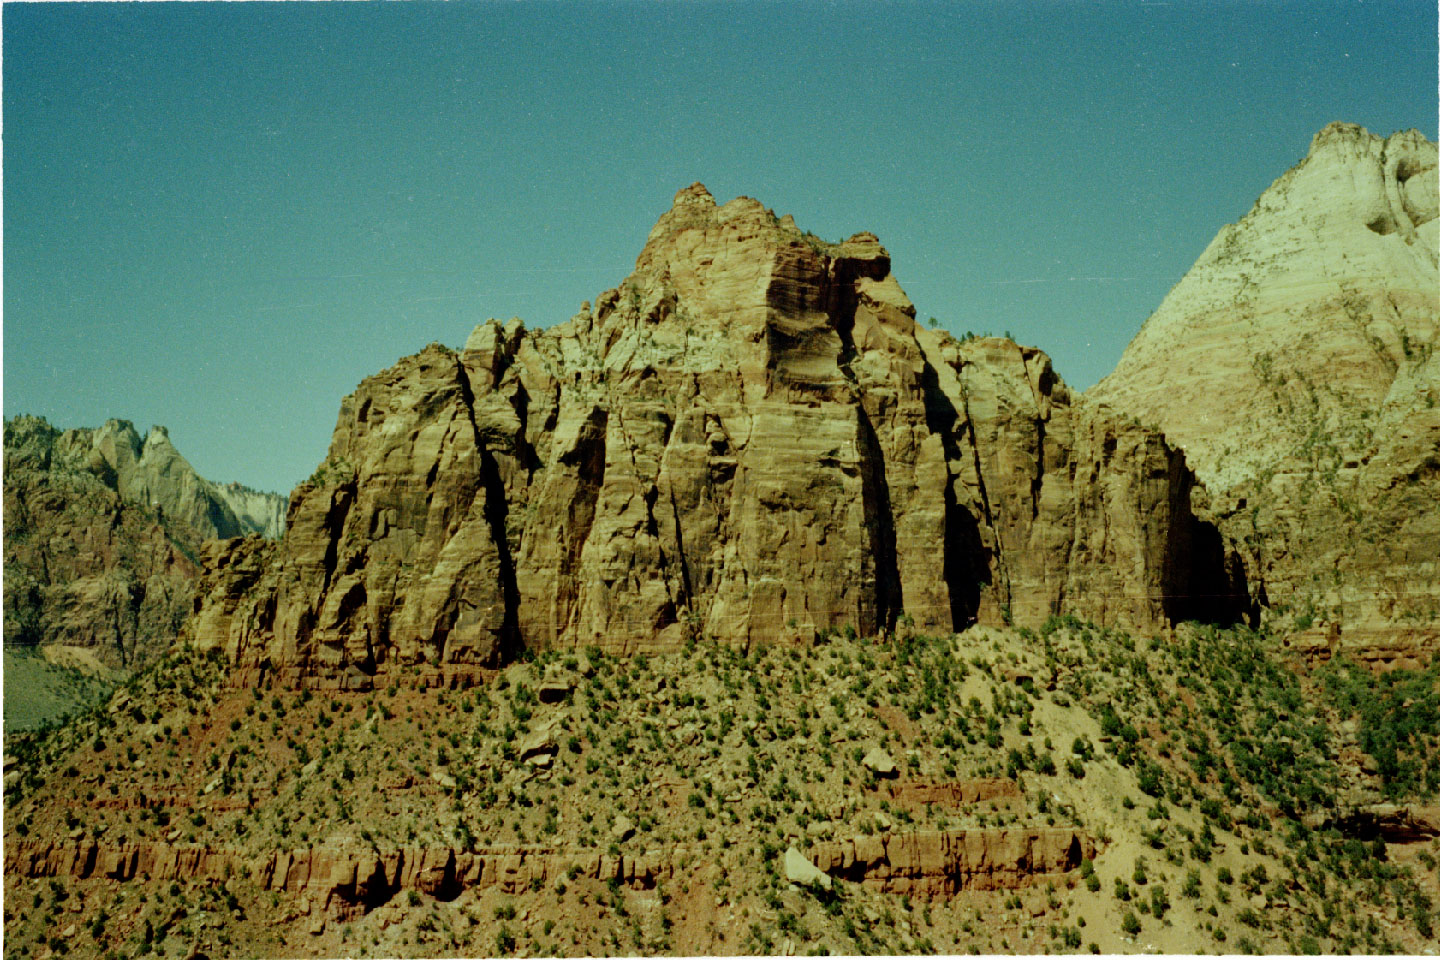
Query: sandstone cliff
[[1294, 364], [102, 531], [749, 439], [255, 511]]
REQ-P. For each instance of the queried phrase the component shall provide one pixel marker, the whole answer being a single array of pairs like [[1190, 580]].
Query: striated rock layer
[[102, 533], [346, 883], [1295, 366], [750, 440], [944, 862]]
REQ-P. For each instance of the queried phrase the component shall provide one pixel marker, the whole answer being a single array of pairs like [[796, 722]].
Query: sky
[[221, 217]]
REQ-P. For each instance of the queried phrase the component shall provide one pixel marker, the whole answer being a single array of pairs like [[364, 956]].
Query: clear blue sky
[[221, 217]]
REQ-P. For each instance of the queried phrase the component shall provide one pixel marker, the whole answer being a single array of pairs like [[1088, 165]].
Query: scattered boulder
[[880, 763], [799, 869], [537, 743]]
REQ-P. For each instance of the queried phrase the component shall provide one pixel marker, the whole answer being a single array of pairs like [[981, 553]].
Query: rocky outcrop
[[102, 535], [84, 566], [750, 439], [1394, 823], [939, 863], [345, 883], [954, 793], [1294, 364]]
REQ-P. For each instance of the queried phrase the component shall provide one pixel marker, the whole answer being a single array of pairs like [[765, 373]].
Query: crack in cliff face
[[994, 560], [341, 499], [841, 301], [587, 462], [684, 596], [880, 521], [687, 595], [1037, 479], [525, 454], [496, 517], [966, 560]]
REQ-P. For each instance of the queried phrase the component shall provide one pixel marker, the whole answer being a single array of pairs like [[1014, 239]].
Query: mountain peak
[[693, 195], [1270, 359], [1340, 132], [1340, 248]]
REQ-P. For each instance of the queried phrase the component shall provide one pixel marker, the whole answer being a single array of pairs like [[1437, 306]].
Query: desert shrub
[[1399, 715]]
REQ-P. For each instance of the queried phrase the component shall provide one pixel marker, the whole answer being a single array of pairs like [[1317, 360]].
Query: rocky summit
[[749, 439], [1295, 366]]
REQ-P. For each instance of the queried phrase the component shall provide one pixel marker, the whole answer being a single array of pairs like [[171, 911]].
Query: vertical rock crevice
[[880, 522], [966, 559]]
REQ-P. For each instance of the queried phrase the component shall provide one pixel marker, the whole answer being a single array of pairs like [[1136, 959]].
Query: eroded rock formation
[[750, 439], [944, 862], [102, 533], [346, 883], [1295, 366]]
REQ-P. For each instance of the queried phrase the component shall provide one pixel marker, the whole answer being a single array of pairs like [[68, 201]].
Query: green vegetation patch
[[1399, 715], [39, 693]]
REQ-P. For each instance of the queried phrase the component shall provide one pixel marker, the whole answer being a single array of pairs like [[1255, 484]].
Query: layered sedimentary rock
[[750, 440], [944, 862], [911, 792], [345, 883], [1295, 366], [102, 531]]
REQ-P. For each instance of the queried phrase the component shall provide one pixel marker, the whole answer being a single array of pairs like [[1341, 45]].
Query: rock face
[[1393, 822], [941, 863], [343, 882], [255, 511], [749, 439], [1294, 364], [348, 882], [102, 533]]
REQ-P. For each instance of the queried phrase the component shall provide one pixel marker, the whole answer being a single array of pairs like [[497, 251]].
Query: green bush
[[1191, 889], [1159, 901]]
